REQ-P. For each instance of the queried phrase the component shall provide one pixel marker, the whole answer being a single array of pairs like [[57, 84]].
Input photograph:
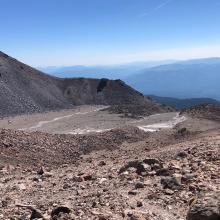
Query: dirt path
[[42, 123]]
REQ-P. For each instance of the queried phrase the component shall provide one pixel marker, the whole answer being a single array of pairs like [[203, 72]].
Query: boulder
[[35, 214], [60, 209], [151, 161], [181, 154], [170, 183], [139, 185], [207, 207]]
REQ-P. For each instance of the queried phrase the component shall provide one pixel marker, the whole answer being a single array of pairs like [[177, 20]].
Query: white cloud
[[162, 4], [158, 7]]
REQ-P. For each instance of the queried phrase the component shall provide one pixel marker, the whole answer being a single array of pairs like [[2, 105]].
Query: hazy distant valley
[[186, 79]]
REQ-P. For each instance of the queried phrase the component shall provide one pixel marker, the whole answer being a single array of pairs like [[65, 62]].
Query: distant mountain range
[[102, 71], [186, 79], [194, 78], [183, 103]]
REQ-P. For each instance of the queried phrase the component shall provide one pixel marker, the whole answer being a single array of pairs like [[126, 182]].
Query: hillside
[[205, 111], [139, 111], [183, 103], [26, 90], [193, 78]]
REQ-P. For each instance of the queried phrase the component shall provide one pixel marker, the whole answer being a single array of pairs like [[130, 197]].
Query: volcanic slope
[[24, 89], [205, 111]]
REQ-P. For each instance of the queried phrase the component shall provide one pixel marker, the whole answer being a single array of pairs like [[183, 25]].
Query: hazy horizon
[[157, 62], [97, 32]]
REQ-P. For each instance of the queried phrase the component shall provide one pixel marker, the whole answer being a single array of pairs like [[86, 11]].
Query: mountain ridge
[[26, 90], [196, 78], [101, 71]]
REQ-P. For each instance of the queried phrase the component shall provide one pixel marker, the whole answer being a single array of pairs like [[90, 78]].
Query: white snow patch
[[164, 125], [86, 131]]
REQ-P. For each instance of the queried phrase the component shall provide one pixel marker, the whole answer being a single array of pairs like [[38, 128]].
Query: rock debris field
[[122, 173]]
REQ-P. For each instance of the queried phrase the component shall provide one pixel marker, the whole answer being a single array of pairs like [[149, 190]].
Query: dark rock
[[182, 131], [66, 186], [102, 163], [207, 207], [89, 177], [103, 217], [141, 168], [35, 214], [77, 179], [139, 185], [139, 204], [181, 154], [102, 84], [151, 161], [170, 183], [6, 144], [40, 171], [188, 177], [138, 165], [4, 203], [132, 192], [128, 165], [60, 209], [163, 172]]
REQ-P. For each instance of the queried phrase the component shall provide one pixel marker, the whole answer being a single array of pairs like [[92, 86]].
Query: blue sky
[[71, 32]]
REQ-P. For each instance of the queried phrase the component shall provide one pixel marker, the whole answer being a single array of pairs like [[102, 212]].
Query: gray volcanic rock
[[80, 91], [26, 90], [206, 208]]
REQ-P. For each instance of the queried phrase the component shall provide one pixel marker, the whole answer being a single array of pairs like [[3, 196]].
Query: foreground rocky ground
[[120, 174]]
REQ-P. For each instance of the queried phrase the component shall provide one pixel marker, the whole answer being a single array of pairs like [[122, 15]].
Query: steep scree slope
[[26, 90]]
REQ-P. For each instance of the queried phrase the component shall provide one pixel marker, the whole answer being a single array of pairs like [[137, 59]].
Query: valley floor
[[87, 119], [124, 173]]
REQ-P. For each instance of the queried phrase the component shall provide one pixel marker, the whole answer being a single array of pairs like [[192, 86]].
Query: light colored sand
[[164, 125], [87, 119]]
